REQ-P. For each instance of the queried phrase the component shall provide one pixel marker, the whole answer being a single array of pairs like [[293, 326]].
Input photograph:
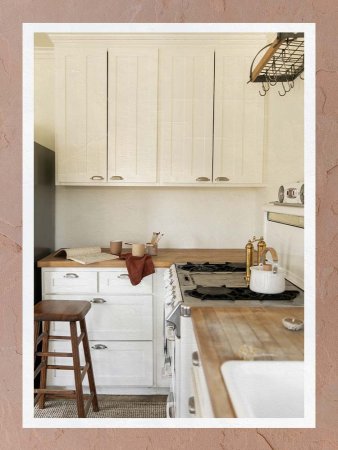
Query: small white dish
[[293, 324]]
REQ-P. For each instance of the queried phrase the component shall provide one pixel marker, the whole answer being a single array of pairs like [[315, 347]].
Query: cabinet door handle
[[71, 275], [99, 347], [123, 275], [222, 179], [98, 300], [202, 179], [97, 177], [195, 359], [191, 405], [116, 177]]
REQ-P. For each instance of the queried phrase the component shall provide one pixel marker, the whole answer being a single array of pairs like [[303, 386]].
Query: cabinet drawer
[[114, 364], [118, 282], [69, 282], [120, 318]]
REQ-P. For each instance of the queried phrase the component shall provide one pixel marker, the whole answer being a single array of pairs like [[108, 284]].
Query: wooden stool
[[48, 311]]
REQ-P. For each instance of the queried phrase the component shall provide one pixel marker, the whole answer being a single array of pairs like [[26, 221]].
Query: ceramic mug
[[115, 247], [138, 249]]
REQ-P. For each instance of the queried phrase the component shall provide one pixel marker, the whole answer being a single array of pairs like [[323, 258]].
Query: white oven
[[171, 324]]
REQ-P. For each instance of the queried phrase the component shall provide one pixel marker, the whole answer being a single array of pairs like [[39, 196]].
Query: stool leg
[[36, 335], [88, 359], [77, 370], [43, 373]]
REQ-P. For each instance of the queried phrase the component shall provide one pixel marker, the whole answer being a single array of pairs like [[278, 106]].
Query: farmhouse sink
[[264, 389]]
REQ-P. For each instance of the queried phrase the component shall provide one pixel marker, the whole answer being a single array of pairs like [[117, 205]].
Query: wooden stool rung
[[57, 392], [62, 367], [62, 338], [56, 354]]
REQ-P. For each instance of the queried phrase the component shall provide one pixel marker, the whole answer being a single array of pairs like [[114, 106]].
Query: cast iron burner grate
[[207, 267], [237, 293]]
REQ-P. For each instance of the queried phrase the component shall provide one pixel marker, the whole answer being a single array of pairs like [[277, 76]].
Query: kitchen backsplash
[[190, 218]]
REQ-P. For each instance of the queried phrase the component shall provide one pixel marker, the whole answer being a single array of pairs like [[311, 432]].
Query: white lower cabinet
[[122, 325], [115, 363]]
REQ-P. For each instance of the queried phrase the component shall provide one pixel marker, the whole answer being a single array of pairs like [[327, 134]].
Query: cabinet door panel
[[132, 114], [121, 318], [70, 282], [81, 115], [118, 282], [114, 364], [186, 114], [239, 117]]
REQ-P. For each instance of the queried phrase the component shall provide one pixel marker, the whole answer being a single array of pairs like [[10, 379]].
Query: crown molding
[[103, 38], [44, 52]]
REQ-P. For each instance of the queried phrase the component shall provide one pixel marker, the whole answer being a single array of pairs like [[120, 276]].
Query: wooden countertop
[[225, 334], [166, 257]]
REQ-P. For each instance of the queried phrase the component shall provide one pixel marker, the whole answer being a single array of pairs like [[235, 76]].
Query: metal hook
[[265, 89], [285, 91], [272, 82]]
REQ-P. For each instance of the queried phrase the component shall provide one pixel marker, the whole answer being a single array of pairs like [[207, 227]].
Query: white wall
[[209, 218], [189, 218], [284, 158]]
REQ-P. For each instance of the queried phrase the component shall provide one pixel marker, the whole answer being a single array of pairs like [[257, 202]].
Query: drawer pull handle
[[97, 177], [202, 179], [116, 178], [98, 300], [99, 347], [71, 275], [195, 359], [191, 405], [123, 275], [222, 179]]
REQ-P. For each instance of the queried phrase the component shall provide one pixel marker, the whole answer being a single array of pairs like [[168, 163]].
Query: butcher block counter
[[225, 334], [165, 258]]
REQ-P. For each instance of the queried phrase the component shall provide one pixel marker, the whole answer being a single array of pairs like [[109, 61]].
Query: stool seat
[[61, 310]]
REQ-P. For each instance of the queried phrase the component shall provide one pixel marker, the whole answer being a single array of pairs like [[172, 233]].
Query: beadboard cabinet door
[[239, 116], [132, 114], [186, 84], [81, 115]]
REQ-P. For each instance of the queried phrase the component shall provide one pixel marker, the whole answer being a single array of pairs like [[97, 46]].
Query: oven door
[[169, 368]]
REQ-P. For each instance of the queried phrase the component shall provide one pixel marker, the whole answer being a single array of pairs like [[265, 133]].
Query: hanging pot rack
[[282, 63]]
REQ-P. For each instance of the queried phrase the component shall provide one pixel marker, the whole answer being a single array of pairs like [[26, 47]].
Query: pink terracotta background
[[12, 14]]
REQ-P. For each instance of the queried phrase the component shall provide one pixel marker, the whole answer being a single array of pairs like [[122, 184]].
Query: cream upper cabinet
[[81, 115], [132, 114], [186, 83], [238, 117]]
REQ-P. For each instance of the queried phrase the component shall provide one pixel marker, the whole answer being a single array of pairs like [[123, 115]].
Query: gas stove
[[221, 284]]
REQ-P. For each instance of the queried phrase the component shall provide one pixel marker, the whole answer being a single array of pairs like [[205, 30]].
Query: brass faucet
[[249, 249]]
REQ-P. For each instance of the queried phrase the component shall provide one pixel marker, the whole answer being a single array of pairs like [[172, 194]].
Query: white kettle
[[267, 278]]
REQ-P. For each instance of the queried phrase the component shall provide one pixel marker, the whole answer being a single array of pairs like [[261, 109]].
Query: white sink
[[265, 388]]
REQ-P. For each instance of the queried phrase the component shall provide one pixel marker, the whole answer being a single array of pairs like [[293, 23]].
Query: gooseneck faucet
[[249, 249]]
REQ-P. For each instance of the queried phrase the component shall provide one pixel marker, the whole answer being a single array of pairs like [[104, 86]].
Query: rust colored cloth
[[138, 267]]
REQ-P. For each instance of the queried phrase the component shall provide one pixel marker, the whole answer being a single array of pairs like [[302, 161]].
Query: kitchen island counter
[[165, 258], [225, 334]]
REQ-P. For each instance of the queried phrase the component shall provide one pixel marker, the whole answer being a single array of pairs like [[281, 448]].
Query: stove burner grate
[[217, 267], [237, 293]]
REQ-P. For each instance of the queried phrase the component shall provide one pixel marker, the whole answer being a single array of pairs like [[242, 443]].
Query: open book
[[85, 255]]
